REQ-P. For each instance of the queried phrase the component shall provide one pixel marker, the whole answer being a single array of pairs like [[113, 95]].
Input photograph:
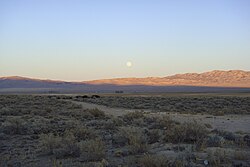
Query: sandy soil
[[232, 123]]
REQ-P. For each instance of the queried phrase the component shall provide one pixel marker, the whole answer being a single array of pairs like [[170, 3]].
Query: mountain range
[[232, 78], [217, 80]]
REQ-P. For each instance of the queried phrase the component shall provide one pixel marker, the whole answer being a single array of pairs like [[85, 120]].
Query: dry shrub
[[15, 125], [219, 113], [133, 115], [241, 155], [83, 133], [93, 150], [78, 114], [187, 132], [209, 126], [154, 136], [226, 135], [218, 157], [175, 134], [164, 122], [186, 104], [113, 123], [60, 146], [96, 113], [69, 147], [9, 111], [179, 163], [50, 142], [200, 145], [215, 141], [139, 122], [194, 132], [240, 142], [154, 161], [135, 137]]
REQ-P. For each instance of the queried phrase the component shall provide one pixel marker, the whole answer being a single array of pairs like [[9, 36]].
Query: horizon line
[[80, 81]]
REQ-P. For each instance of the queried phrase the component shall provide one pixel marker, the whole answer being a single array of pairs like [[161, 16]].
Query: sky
[[76, 40]]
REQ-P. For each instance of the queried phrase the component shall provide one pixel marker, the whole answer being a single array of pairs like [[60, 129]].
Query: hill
[[213, 81], [232, 78]]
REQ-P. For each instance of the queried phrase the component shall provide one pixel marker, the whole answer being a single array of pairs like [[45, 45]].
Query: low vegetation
[[216, 105], [54, 131]]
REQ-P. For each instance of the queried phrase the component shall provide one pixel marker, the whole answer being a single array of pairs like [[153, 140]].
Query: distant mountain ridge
[[216, 78], [189, 82]]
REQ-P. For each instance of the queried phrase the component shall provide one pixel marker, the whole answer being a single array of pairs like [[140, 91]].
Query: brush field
[[61, 130]]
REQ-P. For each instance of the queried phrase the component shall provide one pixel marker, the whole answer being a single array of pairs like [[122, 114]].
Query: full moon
[[129, 64]]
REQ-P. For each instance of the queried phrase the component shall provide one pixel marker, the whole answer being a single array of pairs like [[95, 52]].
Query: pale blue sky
[[92, 39]]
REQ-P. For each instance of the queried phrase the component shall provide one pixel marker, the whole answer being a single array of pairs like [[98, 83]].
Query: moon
[[129, 64]]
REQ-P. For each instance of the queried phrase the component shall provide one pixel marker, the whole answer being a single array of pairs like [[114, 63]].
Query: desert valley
[[126, 128], [124, 83], [213, 81]]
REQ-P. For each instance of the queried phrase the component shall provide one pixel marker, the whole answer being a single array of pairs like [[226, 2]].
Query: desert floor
[[138, 130]]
